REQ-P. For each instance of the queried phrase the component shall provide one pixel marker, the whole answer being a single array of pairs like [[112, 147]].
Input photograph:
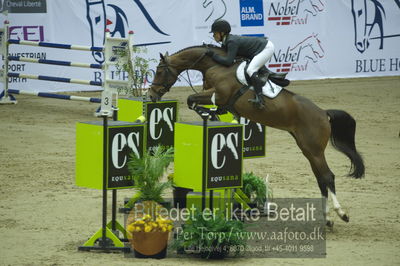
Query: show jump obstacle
[[112, 55], [94, 139], [102, 152]]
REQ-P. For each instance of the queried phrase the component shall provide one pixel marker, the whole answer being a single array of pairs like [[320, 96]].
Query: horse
[[310, 126], [366, 15]]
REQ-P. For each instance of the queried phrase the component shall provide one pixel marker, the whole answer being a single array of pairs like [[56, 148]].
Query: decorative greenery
[[212, 235], [147, 172], [256, 188], [137, 69]]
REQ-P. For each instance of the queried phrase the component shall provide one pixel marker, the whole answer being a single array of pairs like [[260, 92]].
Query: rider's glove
[[210, 53]]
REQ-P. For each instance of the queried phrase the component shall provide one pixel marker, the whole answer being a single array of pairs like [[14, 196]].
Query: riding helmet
[[221, 26]]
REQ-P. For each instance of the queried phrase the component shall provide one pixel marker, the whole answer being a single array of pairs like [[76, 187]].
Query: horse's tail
[[343, 129]]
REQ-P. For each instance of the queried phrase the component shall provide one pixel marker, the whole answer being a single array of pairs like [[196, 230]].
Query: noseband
[[165, 86]]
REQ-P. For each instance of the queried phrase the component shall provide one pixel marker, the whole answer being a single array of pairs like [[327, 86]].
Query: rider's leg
[[256, 63], [257, 85], [261, 59]]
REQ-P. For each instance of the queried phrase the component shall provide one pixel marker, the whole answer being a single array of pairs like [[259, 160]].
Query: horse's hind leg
[[313, 150], [326, 183]]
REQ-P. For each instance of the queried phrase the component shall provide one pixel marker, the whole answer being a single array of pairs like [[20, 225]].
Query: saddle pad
[[270, 89]]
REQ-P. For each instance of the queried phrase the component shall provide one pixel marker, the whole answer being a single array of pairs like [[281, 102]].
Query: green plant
[[147, 172], [137, 69], [256, 189], [211, 235]]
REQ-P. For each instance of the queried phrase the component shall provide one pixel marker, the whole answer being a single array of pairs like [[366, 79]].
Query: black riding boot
[[258, 84]]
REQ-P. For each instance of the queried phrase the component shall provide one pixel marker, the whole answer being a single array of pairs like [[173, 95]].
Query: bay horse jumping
[[310, 125]]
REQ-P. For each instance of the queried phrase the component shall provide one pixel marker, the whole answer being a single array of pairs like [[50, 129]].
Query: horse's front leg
[[204, 97], [206, 85]]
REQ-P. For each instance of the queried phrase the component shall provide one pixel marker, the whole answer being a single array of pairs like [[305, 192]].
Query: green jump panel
[[123, 139], [254, 144], [160, 118], [254, 134], [223, 158], [254, 137]]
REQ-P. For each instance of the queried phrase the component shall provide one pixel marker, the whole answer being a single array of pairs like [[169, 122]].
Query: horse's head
[[316, 49], [358, 9], [313, 6], [166, 75], [366, 15], [311, 48]]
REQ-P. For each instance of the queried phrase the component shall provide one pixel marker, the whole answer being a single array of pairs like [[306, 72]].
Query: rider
[[258, 49]]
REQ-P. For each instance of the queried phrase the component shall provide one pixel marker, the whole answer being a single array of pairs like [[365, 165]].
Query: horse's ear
[[162, 57], [166, 54]]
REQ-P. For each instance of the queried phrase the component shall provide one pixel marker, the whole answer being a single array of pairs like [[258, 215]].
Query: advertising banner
[[224, 157], [122, 143], [314, 39], [162, 117]]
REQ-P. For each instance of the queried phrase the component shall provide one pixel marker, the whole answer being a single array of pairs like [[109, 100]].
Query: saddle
[[270, 87], [265, 74]]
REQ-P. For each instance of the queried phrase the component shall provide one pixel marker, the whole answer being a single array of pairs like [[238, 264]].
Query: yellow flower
[[147, 228], [138, 229], [170, 228], [154, 224], [131, 228]]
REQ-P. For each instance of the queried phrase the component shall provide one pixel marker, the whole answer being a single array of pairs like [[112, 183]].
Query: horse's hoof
[[192, 106], [345, 218], [329, 224]]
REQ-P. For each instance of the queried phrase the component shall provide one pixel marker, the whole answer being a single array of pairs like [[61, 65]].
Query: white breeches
[[261, 59]]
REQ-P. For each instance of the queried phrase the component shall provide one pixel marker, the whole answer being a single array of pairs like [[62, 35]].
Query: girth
[[229, 107]]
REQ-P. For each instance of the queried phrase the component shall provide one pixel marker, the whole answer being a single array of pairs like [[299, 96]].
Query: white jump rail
[[111, 54]]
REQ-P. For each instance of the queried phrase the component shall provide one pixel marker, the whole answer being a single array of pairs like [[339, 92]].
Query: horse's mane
[[198, 46], [239, 59]]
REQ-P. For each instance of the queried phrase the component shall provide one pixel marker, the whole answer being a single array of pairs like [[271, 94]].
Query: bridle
[[165, 86]]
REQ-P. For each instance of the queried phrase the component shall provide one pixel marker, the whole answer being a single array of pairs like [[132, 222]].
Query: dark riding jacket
[[244, 46]]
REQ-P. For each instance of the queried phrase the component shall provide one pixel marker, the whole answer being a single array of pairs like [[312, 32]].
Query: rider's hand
[[210, 52]]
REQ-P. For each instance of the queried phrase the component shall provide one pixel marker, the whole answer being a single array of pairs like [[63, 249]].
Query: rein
[[187, 72], [166, 87]]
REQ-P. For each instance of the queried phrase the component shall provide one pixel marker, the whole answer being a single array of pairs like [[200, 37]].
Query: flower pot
[[150, 244]]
